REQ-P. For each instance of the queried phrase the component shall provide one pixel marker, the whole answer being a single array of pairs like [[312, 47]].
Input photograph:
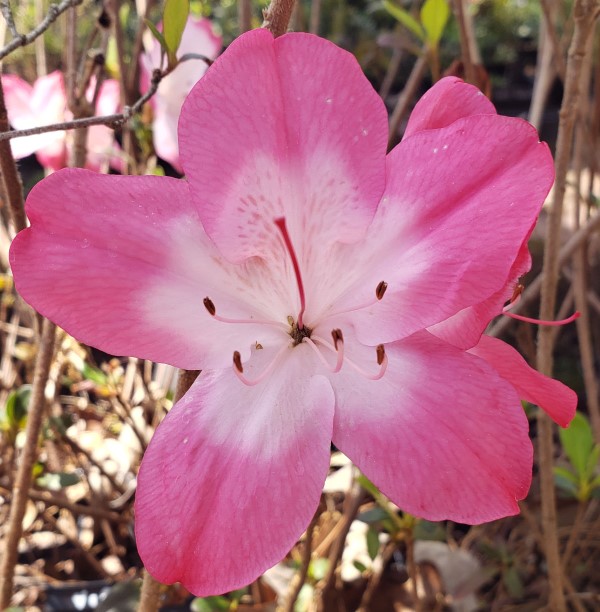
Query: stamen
[[338, 342], [382, 359], [280, 223], [516, 296], [518, 317], [212, 311], [238, 368], [379, 293]]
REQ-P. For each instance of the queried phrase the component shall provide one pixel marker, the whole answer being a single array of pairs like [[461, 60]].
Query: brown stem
[[578, 523], [465, 48], [11, 181], [408, 94], [315, 16], [151, 588], [277, 16], [244, 15], [351, 506], [37, 405], [300, 578], [584, 13]]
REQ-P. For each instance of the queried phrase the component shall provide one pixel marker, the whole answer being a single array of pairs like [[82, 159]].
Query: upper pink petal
[[552, 396], [123, 264], [233, 475], [447, 101], [441, 434], [459, 203], [297, 133]]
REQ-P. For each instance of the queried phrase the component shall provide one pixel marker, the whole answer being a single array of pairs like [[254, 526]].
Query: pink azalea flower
[[45, 103], [200, 38], [301, 252]]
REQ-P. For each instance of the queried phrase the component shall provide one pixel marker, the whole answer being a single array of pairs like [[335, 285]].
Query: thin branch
[[299, 579], [244, 15], [8, 16], [114, 121], [465, 47], [54, 10], [20, 495], [584, 12]]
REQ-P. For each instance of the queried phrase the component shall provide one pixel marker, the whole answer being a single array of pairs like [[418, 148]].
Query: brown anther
[[519, 288], [237, 362], [290, 320], [337, 336], [380, 290], [258, 346], [380, 354], [208, 304]]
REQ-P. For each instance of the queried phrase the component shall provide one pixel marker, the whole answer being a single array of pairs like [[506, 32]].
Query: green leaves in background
[[580, 479], [434, 17], [174, 19]]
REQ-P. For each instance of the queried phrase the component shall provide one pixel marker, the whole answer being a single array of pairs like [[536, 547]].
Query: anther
[[237, 362], [380, 290], [519, 288], [380, 354], [516, 296], [210, 306], [337, 336]]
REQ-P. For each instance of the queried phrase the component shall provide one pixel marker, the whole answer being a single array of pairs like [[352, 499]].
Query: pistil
[[281, 226]]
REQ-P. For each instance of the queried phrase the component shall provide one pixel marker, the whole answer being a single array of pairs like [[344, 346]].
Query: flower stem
[[277, 16], [585, 13]]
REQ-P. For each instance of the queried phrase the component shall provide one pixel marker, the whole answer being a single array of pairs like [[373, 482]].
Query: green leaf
[[361, 567], [17, 405], [566, 481], [159, 37], [513, 583], [318, 568], [405, 18], [372, 543], [429, 530], [592, 462], [56, 482], [434, 16], [373, 515], [578, 442], [94, 374], [209, 604], [174, 19]]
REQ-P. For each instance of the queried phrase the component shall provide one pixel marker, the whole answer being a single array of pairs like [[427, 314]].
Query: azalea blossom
[[45, 103], [198, 38], [303, 271]]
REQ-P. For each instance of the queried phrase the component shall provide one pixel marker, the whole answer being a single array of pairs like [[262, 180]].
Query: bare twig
[[408, 93], [37, 405], [244, 15], [54, 10], [584, 13], [8, 16], [467, 57], [300, 577]]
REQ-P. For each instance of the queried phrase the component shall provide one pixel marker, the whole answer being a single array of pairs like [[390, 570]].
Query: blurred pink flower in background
[[45, 103], [198, 37], [350, 288]]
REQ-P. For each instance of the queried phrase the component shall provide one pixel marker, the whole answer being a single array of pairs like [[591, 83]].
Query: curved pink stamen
[[382, 359], [239, 369], [210, 307], [280, 223], [519, 317]]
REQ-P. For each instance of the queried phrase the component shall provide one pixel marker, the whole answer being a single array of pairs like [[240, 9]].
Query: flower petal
[[550, 395], [441, 434], [29, 107], [298, 132], [447, 101], [456, 212], [123, 264], [465, 328], [233, 474]]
